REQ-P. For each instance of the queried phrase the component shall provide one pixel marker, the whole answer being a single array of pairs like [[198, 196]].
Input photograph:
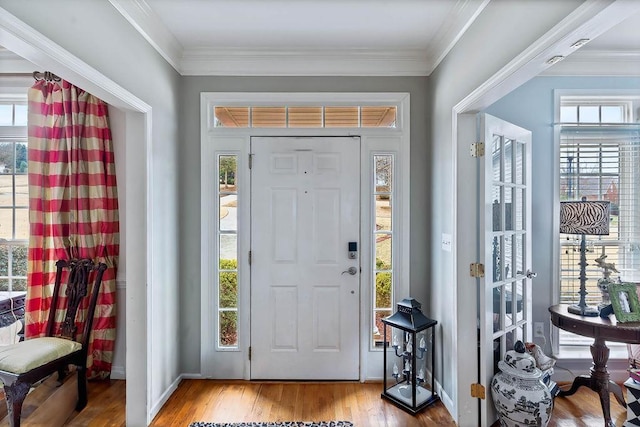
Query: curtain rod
[[47, 75]]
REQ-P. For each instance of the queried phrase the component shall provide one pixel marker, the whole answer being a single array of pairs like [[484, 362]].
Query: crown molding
[[142, 17], [598, 63], [463, 14], [302, 62]]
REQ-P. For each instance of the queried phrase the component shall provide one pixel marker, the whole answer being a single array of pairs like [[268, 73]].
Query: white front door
[[305, 210], [505, 244]]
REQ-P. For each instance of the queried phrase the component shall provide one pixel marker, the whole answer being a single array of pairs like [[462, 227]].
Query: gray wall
[[531, 106], [190, 179], [472, 61]]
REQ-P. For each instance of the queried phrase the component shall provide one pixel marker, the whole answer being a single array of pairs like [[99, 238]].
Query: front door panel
[[305, 209]]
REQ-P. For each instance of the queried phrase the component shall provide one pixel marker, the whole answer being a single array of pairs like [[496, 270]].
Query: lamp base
[[583, 311]]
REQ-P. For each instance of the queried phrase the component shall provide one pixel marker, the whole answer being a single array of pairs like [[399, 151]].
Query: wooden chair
[[28, 362]]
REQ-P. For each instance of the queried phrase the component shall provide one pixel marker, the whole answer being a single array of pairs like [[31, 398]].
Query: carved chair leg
[[15, 394], [61, 374], [82, 387]]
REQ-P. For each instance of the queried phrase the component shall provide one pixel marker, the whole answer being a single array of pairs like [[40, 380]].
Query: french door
[[505, 246]]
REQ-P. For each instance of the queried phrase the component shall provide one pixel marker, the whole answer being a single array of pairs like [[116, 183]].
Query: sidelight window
[[227, 252], [383, 233]]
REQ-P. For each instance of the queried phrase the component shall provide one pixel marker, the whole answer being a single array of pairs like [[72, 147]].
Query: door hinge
[[477, 391], [477, 149], [250, 160], [250, 257], [476, 269], [249, 352]]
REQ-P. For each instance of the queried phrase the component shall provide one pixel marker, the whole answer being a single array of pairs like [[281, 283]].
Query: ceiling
[[336, 37], [341, 37], [614, 52], [302, 37]]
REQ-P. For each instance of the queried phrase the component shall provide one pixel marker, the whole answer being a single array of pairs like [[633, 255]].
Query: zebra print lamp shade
[[584, 217]]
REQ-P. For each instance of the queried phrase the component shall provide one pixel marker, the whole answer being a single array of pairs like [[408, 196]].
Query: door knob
[[530, 274], [352, 271]]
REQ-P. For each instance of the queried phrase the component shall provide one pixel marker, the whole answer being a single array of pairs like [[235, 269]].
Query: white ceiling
[[308, 37], [623, 37], [342, 37], [614, 52], [287, 24], [337, 37]]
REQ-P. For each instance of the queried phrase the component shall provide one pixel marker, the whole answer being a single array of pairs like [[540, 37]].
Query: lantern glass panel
[[409, 358]]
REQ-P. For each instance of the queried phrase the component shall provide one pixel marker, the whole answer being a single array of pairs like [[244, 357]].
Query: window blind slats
[[601, 163]]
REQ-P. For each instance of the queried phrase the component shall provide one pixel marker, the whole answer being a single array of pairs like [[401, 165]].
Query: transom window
[[13, 113], [598, 110], [305, 117]]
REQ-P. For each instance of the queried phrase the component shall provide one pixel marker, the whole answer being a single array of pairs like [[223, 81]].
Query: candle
[[395, 369]]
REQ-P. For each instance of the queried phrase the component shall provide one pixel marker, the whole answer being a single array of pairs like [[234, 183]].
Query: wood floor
[[224, 401]]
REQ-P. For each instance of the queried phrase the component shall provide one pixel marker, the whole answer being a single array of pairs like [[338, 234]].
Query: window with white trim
[[382, 200], [227, 279], [599, 160], [14, 194], [309, 117]]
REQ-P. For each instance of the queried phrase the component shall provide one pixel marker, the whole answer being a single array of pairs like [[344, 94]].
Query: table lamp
[[585, 218]]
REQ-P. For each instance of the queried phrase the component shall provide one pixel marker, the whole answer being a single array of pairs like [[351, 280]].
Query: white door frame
[[233, 363]]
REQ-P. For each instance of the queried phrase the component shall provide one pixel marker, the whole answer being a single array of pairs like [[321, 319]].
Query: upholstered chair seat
[[24, 356]]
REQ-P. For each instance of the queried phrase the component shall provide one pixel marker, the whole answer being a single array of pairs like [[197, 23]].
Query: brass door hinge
[[477, 391], [476, 269], [477, 149]]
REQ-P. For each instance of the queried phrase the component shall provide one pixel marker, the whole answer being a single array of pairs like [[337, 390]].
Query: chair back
[[80, 272]]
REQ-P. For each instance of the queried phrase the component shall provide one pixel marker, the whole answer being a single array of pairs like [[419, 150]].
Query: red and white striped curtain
[[73, 206]]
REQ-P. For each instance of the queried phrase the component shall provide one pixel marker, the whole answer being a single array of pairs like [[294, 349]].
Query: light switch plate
[[446, 242]]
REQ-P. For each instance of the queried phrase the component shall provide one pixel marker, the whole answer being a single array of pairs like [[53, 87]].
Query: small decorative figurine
[[543, 362], [604, 282]]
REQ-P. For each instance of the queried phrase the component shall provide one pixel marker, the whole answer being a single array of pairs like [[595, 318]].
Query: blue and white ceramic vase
[[519, 395]]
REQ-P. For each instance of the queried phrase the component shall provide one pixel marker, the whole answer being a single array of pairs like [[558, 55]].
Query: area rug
[[280, 424]]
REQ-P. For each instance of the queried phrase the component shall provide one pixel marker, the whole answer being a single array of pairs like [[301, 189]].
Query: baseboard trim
[[446, 400], [194, 376], [155, 409], [118, 373]]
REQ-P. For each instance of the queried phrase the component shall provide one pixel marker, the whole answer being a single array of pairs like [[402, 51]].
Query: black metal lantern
[[409, 358]]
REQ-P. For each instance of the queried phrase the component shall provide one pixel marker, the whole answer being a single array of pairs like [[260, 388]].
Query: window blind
[[601, 163]]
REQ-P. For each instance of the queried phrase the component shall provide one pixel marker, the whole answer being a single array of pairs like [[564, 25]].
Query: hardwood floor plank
[[237, 401]]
